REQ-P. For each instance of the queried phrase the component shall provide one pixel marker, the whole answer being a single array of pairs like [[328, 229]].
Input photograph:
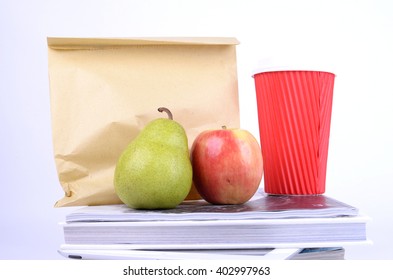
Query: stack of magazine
[[266, 226]]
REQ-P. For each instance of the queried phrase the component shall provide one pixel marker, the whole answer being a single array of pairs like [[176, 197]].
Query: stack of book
[[266, 226]]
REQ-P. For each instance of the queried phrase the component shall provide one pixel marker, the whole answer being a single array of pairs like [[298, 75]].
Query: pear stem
[[166, 110]]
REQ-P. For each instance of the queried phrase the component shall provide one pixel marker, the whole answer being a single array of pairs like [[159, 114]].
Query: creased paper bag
[[104, 91]]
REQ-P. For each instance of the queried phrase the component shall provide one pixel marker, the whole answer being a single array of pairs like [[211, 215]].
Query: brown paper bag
[[104, 91]]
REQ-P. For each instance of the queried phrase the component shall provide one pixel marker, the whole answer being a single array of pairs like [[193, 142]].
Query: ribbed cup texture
[[294, 111]]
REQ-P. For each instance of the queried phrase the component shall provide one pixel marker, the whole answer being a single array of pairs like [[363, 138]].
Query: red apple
[[227, 165]]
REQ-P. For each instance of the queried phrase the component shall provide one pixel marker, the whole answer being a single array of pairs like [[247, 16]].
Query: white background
[[355, 37]]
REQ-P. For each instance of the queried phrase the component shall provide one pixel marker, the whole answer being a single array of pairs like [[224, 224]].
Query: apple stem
[[166, 110], [224, 127]]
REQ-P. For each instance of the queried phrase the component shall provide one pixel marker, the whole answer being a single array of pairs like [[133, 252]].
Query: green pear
[[154, 171]]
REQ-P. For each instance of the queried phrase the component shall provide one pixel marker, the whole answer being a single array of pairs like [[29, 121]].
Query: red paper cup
[[294, 112]]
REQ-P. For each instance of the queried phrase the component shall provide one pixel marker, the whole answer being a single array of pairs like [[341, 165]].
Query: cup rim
[[288, 69]]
